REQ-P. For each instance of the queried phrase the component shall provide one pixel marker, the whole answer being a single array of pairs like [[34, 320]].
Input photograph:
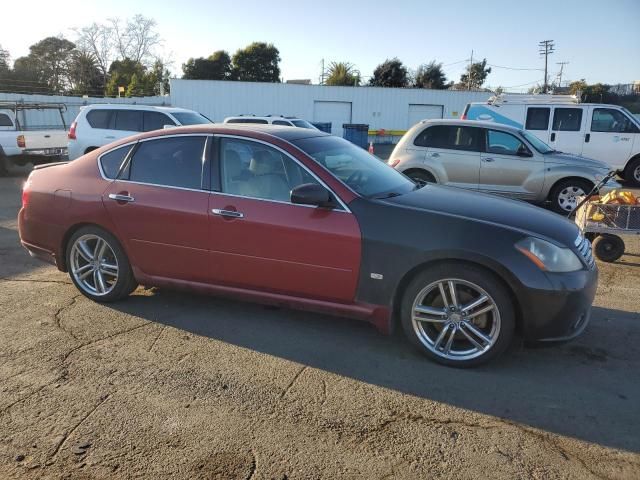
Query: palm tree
[[342, 74]]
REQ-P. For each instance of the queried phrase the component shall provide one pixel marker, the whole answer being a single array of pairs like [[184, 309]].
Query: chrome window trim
[[99, 158], [304, 167]]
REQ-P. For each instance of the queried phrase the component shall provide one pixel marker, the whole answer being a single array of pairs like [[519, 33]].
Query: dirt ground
[[181, 386]]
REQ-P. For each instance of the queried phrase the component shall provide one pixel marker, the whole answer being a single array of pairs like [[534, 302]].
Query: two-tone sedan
[[299, 218]]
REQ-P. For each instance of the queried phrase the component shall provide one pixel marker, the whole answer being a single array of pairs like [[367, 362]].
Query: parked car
[[609, 133], [271, 120], [300, 218], [496, 159], [98, 125], [20, 144]]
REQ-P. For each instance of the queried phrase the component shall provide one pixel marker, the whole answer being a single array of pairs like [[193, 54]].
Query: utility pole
[[562, 64], [546, 48], [322, 74], [470, 71]]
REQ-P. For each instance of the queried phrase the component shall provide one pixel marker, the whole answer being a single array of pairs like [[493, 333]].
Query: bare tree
[[97, 40], [136, 38]]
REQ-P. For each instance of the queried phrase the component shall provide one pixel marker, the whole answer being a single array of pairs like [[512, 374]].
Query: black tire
[[4, 170], [469, 273], [421, 176], [632, 172], [556, 196], [125, 282], [608, 248]]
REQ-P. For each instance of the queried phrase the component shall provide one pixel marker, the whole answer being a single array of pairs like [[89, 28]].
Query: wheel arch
[[89, 149], [486, 266], [64, 243], [627, 168], [564, 179]]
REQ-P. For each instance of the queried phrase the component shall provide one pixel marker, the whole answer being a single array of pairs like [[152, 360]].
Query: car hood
[[569, 159], [480, 207]]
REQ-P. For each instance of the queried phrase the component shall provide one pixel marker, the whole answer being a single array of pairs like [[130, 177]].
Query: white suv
[[271, 120], [98, 125]]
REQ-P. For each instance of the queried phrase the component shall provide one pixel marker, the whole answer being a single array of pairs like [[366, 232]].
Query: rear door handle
[[553, 136], [227, 213], [119, 197], [587, 137], [487, 159], [110, 137], [435, 155]]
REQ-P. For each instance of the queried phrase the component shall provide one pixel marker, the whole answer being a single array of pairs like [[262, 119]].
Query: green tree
[[431, 76], [216, 67], [120, 74], [53, 56], [156, 80], [135, 87], [258, 62], [577, 86], [390, 73], [476, 75], [26, 77], [85, 76], [342, 73], [4, 61]]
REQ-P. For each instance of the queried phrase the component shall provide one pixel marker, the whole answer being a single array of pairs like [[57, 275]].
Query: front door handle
[[553, 136], [120, 197], [435, 155], [227, 213], [487, 159], [110, 137]]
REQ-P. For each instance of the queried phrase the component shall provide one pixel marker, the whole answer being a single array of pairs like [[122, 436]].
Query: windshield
[[634, 117], [362, 172], [538, 144], [190, 118], [303, 124]]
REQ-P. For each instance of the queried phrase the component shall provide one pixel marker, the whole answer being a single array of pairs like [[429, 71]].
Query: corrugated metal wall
[[386, 108], [51, 118]]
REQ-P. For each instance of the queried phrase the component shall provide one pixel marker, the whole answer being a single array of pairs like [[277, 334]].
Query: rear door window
[[129, 120], [156, 121], [538, 118], [101, 118], [282, 122], [567, 119], [247, 120], [112, 161], [450, 137], [173, 162]]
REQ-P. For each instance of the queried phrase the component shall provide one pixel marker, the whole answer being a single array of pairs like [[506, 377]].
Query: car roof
[[260, 117], [131, 106], [471, 123]]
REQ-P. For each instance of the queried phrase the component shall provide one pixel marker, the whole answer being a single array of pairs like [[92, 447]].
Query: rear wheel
[[632, 172], [98, 266], [608, 248], [421, 176], [564, 195], [458, 315], [4, 166]]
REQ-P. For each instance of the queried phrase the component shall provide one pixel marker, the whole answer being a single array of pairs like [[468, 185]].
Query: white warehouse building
[[392, 109]]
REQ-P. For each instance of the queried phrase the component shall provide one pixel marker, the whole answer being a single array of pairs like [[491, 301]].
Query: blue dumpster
[[322, 126], [356, 133]]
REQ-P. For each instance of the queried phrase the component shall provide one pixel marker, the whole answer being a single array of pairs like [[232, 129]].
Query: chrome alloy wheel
[[567, 198], [94, 265], [455, 319]]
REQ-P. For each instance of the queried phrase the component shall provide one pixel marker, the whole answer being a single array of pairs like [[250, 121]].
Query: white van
[[603, 132]]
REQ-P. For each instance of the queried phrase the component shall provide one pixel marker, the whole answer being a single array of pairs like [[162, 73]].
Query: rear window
[[538, 118], [100, 118], [247, 120], [5, 121], [450, 137], [190, 118], [129, 120], [112, 161], [281, 122], [567, 119]]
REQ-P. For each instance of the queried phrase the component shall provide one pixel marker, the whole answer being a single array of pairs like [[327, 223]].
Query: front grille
[[584, 247]]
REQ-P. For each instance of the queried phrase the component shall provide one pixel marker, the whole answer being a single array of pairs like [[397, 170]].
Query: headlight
[[549, 257]]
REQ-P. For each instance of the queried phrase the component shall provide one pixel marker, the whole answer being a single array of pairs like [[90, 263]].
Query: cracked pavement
[[176, 385]]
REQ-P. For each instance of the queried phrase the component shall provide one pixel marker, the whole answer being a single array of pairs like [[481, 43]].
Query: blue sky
[[599, 39]]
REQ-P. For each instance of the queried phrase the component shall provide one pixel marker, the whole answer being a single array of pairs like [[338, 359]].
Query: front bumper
[[562, 311]]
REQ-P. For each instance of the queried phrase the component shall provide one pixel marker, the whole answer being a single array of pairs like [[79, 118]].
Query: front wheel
[[98, 266], [632, 172], [458, 315], [564, 195]]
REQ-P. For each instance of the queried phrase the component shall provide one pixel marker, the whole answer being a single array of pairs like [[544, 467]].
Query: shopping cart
[[603, 224]]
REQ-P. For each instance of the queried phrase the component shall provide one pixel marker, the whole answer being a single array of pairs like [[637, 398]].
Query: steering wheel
[[356, 178]]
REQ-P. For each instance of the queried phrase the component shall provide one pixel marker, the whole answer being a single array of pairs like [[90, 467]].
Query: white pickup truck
[[20, 145]]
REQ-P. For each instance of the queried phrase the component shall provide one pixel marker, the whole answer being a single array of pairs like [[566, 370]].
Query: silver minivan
[[498, 159]]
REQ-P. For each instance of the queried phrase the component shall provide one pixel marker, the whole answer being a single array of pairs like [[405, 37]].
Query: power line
[[515, 68]]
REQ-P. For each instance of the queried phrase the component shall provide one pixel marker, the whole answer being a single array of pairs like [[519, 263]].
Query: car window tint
[[173, 161], [567, 119], [247, 120], [156, 121], [538, 118], [100, 118], [5, 121], [255, 170], [281, 122], [450, 137], [129, 120], [503, 143], [111, 161], [611, 120]]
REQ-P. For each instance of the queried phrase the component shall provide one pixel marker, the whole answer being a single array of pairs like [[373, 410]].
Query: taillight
[[72, 131], [463, 117], [394, 162], [26, 189], [20, 141]]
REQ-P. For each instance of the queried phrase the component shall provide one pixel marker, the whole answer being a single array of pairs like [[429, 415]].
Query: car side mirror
[[524, 152], [312, 194]]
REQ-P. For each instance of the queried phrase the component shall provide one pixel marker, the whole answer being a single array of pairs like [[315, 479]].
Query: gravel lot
[[174, 385]]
